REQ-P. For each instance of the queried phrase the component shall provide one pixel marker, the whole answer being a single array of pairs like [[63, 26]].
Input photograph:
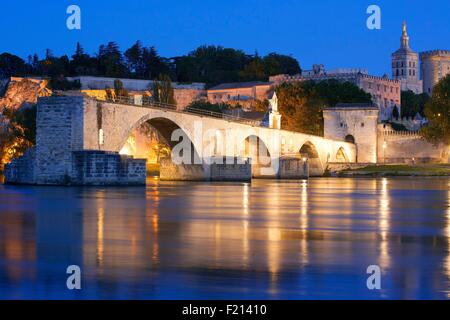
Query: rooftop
[[353, 106]]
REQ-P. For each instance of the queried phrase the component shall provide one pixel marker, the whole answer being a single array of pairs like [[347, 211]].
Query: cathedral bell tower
[[405, 65]]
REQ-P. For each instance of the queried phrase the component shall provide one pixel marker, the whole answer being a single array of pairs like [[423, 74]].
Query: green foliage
[[261, 106], [119, 91], [215, 64], [437, 111], [163, 90], [11, 65], [110, 61], [275, 63], [395, 113], [25, 118], [254, 71], [333, 92], [301, 103], [209, 64], [413, 103], [398, 126]]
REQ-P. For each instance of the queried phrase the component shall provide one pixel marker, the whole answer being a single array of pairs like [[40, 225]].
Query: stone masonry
[[61, 157]]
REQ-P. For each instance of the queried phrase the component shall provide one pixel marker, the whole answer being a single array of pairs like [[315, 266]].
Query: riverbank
[[426, 170]]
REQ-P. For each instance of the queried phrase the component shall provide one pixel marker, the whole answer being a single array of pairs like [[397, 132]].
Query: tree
[[211, 64], [395, 113], [11, 65], [413, 103], [280, 64], [437, 111], [119, 90], [301, 103], [333, 92], [17, 133], [254, 71], [163, 91], [134, 59], [152, 64], [110, 61], [82, 63]]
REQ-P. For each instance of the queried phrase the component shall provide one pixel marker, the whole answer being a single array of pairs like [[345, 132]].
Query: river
[[265, 240]]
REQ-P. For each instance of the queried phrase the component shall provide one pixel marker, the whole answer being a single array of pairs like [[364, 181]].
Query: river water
[[265, 240]]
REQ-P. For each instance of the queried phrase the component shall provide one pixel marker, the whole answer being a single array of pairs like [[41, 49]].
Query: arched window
[[349, 138]]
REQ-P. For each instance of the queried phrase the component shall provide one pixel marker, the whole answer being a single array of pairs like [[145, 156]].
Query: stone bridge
[[107, 126], [71, 124]]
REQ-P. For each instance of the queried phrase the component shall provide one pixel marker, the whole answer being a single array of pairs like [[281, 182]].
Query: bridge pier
[[218, 169]]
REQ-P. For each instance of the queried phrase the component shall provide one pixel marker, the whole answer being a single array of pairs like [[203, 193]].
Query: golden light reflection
[[130, 147], [245, 239], [100, 236], [152, 218], [384, 226], [274, 236], [304, 222], [245, 199]]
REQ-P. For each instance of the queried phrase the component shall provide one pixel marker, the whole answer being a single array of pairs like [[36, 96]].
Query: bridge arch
[[165, 126], [309, 151], [256, 149], [350, 138]]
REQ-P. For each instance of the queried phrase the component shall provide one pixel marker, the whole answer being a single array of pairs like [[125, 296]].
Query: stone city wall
[[185, 97], [403, 146]]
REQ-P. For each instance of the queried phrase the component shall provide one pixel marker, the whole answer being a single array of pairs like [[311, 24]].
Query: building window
[[414, 72], [410, 72], [362, 124]]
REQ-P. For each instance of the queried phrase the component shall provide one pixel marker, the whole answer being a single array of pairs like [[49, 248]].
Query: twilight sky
[[313, 31]]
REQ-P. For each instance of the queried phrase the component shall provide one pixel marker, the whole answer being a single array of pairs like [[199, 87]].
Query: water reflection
[[385, 203], [267, 239]]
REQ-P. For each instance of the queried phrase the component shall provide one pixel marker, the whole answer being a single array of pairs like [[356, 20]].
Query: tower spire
[[404, 40]]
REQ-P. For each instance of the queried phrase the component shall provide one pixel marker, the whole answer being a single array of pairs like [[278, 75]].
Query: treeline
[[209, 64], [301, 104]]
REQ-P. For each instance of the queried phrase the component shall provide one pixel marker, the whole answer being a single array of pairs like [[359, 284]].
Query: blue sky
[[314, 31]]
